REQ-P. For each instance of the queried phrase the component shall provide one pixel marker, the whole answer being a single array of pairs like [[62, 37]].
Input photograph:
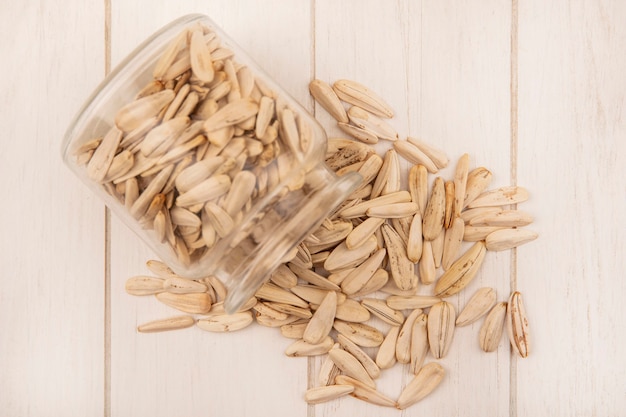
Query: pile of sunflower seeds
[[198, 146], [363, 266]]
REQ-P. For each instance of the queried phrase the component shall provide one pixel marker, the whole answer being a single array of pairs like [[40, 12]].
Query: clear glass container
[[205, 158]]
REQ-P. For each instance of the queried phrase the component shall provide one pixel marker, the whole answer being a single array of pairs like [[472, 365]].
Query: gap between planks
[[513, 174], [107, 240]]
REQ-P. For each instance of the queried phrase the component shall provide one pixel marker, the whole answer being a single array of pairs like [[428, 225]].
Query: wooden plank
[[192, 372], [571, 154], [52, 257], [445, 70]]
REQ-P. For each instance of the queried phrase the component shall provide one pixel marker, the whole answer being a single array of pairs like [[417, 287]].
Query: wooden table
[[535, 90]]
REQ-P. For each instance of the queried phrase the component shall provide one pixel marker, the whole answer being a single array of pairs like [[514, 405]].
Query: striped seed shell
[[402, 270], [327, 98], [351, 366], [386, 355], [180, 285], [368, 364], [491, 330], [380, 309], [434, 215], [419, 343], [503, 218], [414, 155], [200, 57], [368, 121], [517, 325], [436, 155], [452, 242], [441, 319], [477, 306], [321, 323], [352, 311], [302, 348], [225, 322], [133, 114], [324, 394], [478, 180], [403, 342], [359, 333], [418, 186], [399, 302], [425, 382], [357, 94], [500, 197], [171, 323], [364, 392], [504, 239], [193, 303], [460, 182], [144, 285], [461, 272]]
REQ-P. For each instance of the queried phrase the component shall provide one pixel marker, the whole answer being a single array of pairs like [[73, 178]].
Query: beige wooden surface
[[533, 90]]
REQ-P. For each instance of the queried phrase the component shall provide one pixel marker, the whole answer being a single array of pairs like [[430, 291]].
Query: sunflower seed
[[169, 55], [364, 392], [326, 97], [366, 120], [172, 323], [491, 330], [361, 134], [271, 292], [434, 213], [504, 218], [351, 366], [321, 323], [380, 309], [517, 325], [418, 186], [461, 272], [293, 330], [179, 285], [500, 197], [414, 244], [449, 208], [386, 355], [402, 270], [231, 114], [359, 333], [399, 302], [504, 239], [103, 156], [427, 379], [352, 311], [441, 319], [357, 279], [476, 233], [426, 267], [403, 343], [357, 94], [452, 243], [478, 305], [208, 189], [194, 303], [341, 257], [302, 348], [414, 155], [436, 155], [477, 181], [134, 114], [323, 394], [419, 343], [225, 322], [144, 285], [360, 209], [469, 214], [391, 211], [375, 283], [362, 232]]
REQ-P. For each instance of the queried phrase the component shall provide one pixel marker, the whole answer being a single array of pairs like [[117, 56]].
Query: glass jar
[[204, 157]]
